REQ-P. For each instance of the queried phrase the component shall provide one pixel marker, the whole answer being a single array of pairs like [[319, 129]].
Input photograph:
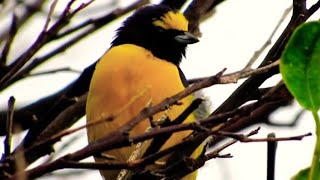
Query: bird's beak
[[186, 38]]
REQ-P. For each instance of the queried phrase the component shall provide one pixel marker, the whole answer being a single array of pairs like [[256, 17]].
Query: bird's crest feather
[[172, 20]]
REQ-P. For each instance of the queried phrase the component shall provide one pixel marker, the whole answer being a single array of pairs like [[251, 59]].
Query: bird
[[140, 68]]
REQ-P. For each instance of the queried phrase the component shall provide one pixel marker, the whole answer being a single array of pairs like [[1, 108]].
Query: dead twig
[[10, 37], [7, 141], [243, 138], [244, 73], [42, 39], [257, 53], [65, 69]]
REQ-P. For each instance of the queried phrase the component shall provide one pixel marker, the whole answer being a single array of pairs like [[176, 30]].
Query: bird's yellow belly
[[122, 85]]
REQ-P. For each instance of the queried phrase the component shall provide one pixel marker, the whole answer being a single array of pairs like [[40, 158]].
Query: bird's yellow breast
[[127, 79]]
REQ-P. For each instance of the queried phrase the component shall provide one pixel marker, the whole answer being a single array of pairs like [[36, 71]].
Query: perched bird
[[141, 67]]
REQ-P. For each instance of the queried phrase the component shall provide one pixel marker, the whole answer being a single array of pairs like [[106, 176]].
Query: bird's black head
[[158, 29]]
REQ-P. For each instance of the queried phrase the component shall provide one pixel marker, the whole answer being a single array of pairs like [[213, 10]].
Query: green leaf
[[300, 65], [302, 174]]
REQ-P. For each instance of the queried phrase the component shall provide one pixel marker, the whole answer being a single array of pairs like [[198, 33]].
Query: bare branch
[[27, 12], [244, 73], [94, 25], [42, 145], [189, 165], [7, 141], [43, 37], [65, 69], [97, 23], [10, 37], [243, 138], [51, 10], [212, 154], [268, 42], [249, 88]]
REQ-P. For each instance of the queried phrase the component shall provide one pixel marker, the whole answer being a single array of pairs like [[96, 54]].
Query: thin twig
[[136, 154], [257, 53], [243, 138], [158, 141], [249, 88], [7, 141], [10, 37], [64, 69], [244, 73], [51, 10], [214, 153], [96, 25], [25, 72], [189, 165], [27, 11], [234, 77], [65, 145], [42, 39]]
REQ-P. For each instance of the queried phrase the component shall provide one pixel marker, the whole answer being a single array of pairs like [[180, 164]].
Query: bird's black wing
[[183, 78]]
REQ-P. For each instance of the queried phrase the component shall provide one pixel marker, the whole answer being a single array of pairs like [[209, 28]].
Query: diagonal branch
[[11, 34], [249, 88], [42, 39]]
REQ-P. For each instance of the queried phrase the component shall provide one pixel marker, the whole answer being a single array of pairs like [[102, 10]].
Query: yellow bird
[[141, 67]]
